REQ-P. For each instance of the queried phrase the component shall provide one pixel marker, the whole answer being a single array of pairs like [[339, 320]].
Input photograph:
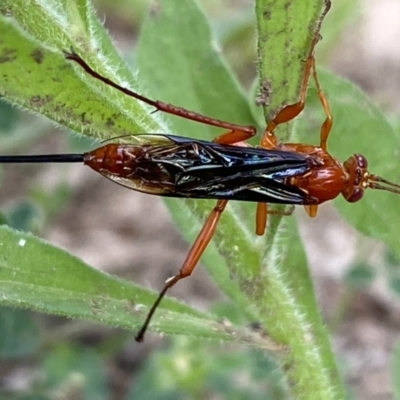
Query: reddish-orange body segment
[[326, 179]]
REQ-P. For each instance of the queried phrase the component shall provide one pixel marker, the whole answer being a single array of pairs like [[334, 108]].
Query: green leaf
[[35, 73], [180, 63], [359, 127], [36, 275], [285, 33]]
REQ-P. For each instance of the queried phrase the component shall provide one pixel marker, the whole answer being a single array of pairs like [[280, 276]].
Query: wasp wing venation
[[259, 189], [244, 173], [147, 139], [173, 166], [158, 189]]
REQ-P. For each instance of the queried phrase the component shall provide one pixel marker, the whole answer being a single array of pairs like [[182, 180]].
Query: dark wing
[[174, 166], [238, 173]]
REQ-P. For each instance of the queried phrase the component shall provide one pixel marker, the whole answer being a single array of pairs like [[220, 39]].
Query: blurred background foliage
[[46, 357]]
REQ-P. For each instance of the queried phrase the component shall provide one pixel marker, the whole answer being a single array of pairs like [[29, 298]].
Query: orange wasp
[[227, 168]]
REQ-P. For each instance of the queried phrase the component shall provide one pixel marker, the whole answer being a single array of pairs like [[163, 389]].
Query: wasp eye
[[361, 161], [356, 195]]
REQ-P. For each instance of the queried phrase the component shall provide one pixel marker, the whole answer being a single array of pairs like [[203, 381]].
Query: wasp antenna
[[388, 186]]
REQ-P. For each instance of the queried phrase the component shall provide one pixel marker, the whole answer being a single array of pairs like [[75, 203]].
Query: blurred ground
[[147, 247]]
